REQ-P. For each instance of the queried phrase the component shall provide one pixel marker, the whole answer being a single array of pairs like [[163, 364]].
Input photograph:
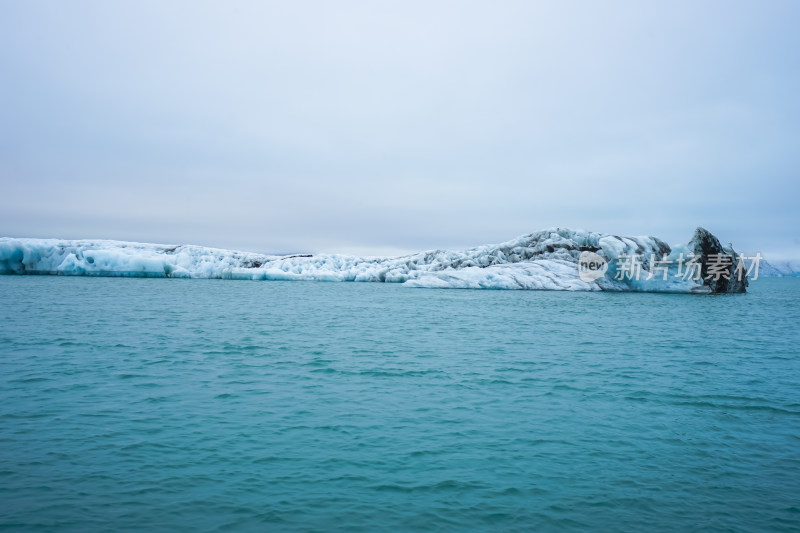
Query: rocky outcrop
[[718, 263]]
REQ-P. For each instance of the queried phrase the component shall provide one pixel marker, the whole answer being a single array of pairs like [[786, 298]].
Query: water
[[202, 405]]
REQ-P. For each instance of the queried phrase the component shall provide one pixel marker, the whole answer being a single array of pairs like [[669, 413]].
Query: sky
[[389, 127]]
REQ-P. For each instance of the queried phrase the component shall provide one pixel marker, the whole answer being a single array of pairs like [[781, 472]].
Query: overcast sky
[[381, 127]]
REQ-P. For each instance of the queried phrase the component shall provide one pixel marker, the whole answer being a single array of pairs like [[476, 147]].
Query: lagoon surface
[[208, 405]]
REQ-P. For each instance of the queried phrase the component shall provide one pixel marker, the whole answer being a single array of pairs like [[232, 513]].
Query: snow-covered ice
[[780, 269], [542, 260]]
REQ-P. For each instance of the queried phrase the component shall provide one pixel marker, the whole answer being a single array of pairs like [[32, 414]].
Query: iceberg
[[554, 259]]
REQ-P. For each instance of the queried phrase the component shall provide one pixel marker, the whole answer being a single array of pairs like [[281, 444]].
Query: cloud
[[398, 125]]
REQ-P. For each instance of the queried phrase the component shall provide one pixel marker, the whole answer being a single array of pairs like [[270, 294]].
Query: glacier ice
[[780, 269], [542, 260]]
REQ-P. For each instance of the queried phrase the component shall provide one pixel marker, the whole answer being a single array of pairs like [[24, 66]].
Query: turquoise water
[[202, 405]]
